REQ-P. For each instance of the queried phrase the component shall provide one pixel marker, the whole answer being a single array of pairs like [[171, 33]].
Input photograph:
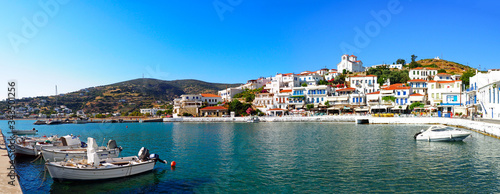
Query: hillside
[[450, 66], [124, 96]]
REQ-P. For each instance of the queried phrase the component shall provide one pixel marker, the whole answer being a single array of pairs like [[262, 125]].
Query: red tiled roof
[[364, 76], [353, 56], [432, 81], [417, 80], [357, 61], [287, 74], [285, 91], [214, 108], [453, 81], [416, 94], [377, 92], [396, 87], [210, 95], [346, 89], [424, 68], [443, 74], [277, 109]]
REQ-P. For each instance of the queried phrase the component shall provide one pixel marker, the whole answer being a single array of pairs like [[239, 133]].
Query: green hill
[[124, 96]]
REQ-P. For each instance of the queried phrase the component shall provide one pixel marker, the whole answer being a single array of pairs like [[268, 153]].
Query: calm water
[[282, 157]]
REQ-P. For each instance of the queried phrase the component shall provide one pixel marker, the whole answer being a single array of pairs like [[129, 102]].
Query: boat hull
[[450, 137], [24, 150], [59, 155], [89, 174]]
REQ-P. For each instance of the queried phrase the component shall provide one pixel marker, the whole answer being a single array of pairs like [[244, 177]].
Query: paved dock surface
[[9, 183]]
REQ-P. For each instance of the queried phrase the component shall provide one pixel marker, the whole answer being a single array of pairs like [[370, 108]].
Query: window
[[399, 93], [413, 72], [432, 86], [397, 100], [404, 92], [406, 100], [432, 95]]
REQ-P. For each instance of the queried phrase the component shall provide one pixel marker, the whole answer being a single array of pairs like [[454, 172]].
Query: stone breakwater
[[482, 127]]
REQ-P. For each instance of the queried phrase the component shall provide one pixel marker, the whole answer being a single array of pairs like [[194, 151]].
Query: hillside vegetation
[[127, 96]]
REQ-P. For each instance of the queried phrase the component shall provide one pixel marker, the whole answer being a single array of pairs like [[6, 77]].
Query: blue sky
[[79, 44]]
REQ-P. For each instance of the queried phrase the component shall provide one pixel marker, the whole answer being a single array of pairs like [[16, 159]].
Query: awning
[[379, 107], [403, 107], [361, 109]]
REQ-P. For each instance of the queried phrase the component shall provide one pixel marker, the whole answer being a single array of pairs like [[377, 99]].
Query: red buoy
[[172, 164]]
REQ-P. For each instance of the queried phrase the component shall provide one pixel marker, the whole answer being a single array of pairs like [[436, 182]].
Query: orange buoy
[[126, 126], [172, 164]]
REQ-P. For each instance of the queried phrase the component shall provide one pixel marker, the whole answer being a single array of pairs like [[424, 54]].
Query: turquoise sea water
[[281, 157]]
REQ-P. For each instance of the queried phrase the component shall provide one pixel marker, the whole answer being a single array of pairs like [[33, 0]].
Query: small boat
[[54, 122], [33, 146], [40, 122], [23, 132], [94, 168], [253, 120], [441, 133], [56, 153], [30, 146]]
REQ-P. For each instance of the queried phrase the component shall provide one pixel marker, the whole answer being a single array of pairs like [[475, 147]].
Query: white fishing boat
[[40, 122], [94, 168], [23, 132], [30, 146], [33, 146], [441, 133], [67, 152]]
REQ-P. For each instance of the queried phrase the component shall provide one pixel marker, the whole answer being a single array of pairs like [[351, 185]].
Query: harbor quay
[[491, 129], [9, 182]]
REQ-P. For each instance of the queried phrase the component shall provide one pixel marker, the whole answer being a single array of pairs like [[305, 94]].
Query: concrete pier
[[9, 183]]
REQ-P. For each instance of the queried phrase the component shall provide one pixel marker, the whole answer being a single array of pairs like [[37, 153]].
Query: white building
[[310, 78], [211, 99], [419, 86], [281, 99], [350, 63], [484, 93], [151, 111], [364, 84], [422, 73], [446, 94], [228, 94], [331, 75]]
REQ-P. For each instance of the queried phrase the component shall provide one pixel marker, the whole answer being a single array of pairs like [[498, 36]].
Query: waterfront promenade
[[6, 170], [491, 128]]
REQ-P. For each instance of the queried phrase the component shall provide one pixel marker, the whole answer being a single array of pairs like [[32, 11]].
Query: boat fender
[[19, 140]]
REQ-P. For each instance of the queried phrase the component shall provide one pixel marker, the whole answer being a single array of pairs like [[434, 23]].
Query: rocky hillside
[[450, 66], [124, 96]]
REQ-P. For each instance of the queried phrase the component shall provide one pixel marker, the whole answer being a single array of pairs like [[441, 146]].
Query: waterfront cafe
[[276, 112]]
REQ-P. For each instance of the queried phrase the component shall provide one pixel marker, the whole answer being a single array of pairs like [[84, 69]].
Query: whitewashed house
[[425, 73], [484, 93], [364, 84]]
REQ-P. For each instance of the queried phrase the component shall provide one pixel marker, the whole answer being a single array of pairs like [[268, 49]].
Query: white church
[[350, 63]]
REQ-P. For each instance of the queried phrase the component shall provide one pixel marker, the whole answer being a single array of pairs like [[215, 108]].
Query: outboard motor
[[112, 144], [156, 157], [143, 154]]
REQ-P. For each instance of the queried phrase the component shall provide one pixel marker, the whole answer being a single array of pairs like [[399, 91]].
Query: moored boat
[[441, 133], [54, 122], [69, 152], [94, 168], [40, 122], [23, 132]]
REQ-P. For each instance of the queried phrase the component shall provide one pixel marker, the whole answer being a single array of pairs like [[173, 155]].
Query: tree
[[466, 77], [441, 71], [309, 106], [304, 85], [389, 98], [415, 104], [413, 58], [401, 61], [322, 82], [327, 103]]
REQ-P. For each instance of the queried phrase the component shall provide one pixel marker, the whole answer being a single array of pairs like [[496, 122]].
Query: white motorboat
[[253, 120], [23, 132], [93, 168], [57, 153], [441, 133]]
